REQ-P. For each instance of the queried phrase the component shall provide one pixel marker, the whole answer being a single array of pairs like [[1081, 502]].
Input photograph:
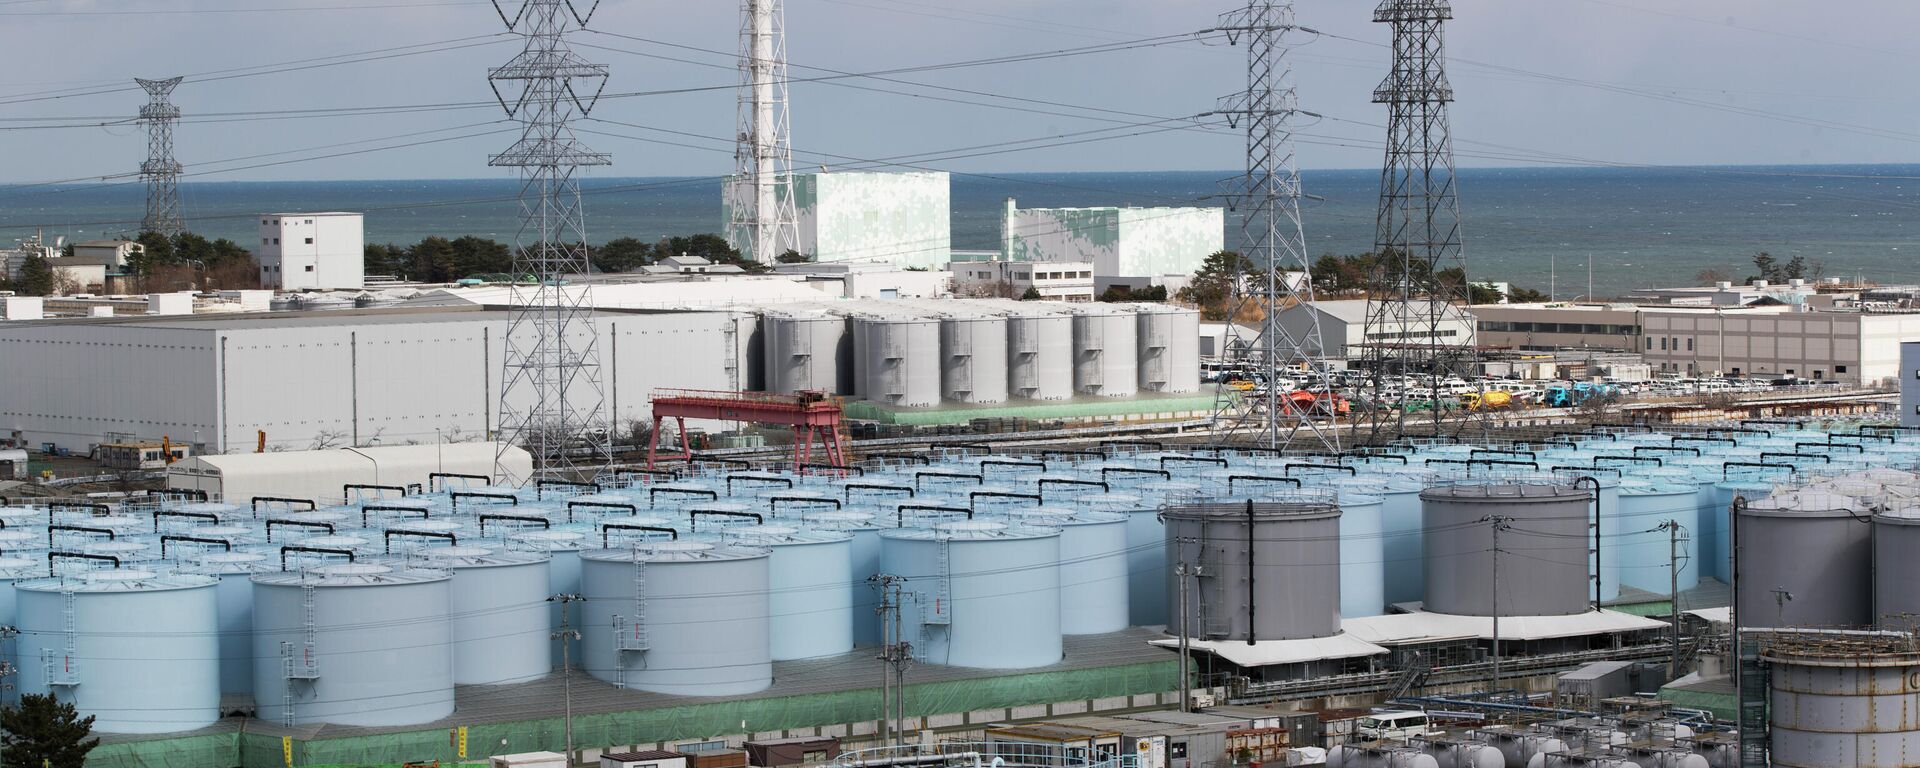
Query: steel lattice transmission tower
[[161, 171], [1269, 197], [1419, 285], [761, 216], [550, 394]]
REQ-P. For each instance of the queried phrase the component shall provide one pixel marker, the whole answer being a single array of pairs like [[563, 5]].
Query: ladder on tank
[[942, 613], [298, 662], [630, 633], [60, 673]]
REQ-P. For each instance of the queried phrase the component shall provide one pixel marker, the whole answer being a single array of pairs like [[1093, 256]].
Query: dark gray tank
[[1805, 559], [1263, 570], [1543, 561]]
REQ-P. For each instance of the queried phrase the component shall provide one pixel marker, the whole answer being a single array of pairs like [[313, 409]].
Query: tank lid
[[229, 562], [209, 508], [781, 535], [9, 537], [408, 502], [351, 575], [682, 550], [1269, 511], [465, 556], [762, 530], [973, 530], [550, 541], [229, 531], [648, 520], [839, 519], [718, 506], [600, 498], [1504, 492], [336, 542], [312, 516], [117, 580], [10, 566], [427, 526], [1807, 502], [110, 547], [105, 521]]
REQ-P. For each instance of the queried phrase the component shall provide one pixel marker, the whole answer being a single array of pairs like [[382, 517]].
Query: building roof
[[1354, 311], [1424, 627], [103, 243], [1264, 653], [314, 213], [632, 757]]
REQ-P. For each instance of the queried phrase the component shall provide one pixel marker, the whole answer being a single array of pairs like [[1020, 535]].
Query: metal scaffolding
[[1419, 276], [1277, 276], [160, 171], [762, 220], [551, 399]]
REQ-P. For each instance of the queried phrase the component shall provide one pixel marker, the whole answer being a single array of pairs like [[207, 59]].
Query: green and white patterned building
[[900, 218], [1127, 246]]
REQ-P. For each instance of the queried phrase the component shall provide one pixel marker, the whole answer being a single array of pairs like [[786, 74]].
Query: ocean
[[1535, 227]]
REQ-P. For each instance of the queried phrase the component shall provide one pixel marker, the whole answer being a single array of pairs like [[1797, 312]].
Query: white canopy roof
[[1422, 627], [1269, 652]]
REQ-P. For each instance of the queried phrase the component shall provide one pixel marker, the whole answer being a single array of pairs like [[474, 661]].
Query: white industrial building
[[1052, 280], [309, 251], [900, 218], [1131, 247], [323, 474], [1343, 331]]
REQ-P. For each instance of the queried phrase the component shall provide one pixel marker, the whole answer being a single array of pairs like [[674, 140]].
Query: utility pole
[[567, 637], [1674, 531], [897, 654], [1500, 523], [1180, 573]]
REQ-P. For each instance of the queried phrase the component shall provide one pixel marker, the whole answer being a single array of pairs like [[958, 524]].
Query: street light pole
[[1674, 530], [1500, 523], [567, 635]]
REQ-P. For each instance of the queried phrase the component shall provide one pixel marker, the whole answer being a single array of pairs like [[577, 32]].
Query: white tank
[[689, 618], [377, 651], [234, 593], [1040, 356], [900, 359], [979, 593], [1378, 756], [808, 351], [1106, 352], [499, 613], [809, 572], [1169, 340], [863, 563], [135, 649], [1093, 566], [562, 548], [973, 359]]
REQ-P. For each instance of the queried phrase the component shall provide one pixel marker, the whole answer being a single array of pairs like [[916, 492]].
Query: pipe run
[[455, 497], [57, 555], [973, 499], [452, 540], [346, 491], [693, 516], [445, 476], [606, 537], [571, 505], [348, 553], [271, 522], [540, 487], [900, 512], [1261, 479], [164, 538], [160, 513], [366, 511], [879, 488], [540, 521]]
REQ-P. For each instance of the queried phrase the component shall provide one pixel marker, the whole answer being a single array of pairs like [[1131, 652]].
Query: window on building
[[1689, 343], [276, 241], [309, 221], [1789, 371], [309, 267], [1839, 369], [1663, 343], [1649, 343], [1736, 371], [263, 222], [263, 241], [309, 241]]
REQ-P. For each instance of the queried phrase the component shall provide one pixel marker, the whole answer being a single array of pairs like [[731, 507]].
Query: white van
[[1392, 725]]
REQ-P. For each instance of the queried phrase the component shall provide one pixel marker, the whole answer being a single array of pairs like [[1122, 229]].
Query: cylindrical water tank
[[1040, 356], [1547, 522], [1517, 745], [1378, 755], [352, 644], [863, 557], [1404, 541], [808, 351], [978, 593], [1806, 560], [1651, 559], [1718, 519], [1146, 555], [138, 651], [1896, 569], [1282, 556], [1363, 555], [1169, 339], [234, 594], [808, 572], [973, 358], [499, 613], [1838, 700], [562, 548], [1093, 566], [900, 358], [689, 618], [1106, 352]]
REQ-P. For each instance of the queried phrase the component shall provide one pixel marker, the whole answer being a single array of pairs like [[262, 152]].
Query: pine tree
[[45, 732]]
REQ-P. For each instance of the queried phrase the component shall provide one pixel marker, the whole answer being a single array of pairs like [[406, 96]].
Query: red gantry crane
[[813, 416]]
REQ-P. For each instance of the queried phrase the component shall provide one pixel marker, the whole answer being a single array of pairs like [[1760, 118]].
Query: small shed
[[800, 750], [529, 760], [13, 464], [321, 475], [647, 759]]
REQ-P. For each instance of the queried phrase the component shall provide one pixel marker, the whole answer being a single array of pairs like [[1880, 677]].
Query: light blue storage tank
[[864, 562], [499, 613], [234, 594], [978, 593], [398, 536], [1093, 566], [1146, 554], [688, 618], [378, 651], [563, 569], [143, 655], [808, 572], [13, 570], [1363, 554], [1645, 553], [1403, 541]]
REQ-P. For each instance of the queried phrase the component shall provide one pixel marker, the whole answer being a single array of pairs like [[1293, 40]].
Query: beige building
[[1853, 347], [1541, 327]]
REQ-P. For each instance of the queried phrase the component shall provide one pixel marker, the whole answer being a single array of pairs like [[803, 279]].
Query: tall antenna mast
[[761, 216], [550, 393], [161, 171], [1419, 279], [1269, 195]]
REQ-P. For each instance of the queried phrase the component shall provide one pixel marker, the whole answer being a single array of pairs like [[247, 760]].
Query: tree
[[1031, 294], [1772, 270], [478, 255], [431, 260], [42, 731], [1519, 295], [1212, 287], [623, 254], [711, 247], [37, 277], [386, 259], [1711, 275], [792, 257], [158, 250]]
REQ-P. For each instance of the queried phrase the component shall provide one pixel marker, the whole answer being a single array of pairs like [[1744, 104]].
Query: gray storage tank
[[135, 649], [1549, 523], [1266, 570], [1106, 352], [377, 650], [973, 358], [498, 611], [1843, 699], [1896, 569], [900, 357], [683, 617], [1169, 339], [808, 351], [1040, 356], [1805, 560]]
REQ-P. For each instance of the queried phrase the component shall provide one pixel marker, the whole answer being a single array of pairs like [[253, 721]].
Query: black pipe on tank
[[1160, 473], [978, 479], [1598, 565], [76, 529], [541, 521], [900, 512], [160, 513], [271, 522], [164, 538], [693, 516], [1253, 627], [606, 538], [366, 509], [757, 479], [773, 502], [351, 557], [631, 509], [390, 533], [282, 500], [1261, 479], [1288, 468], [455, 497], [974, 497], [346, 491], [1218, 462], [882, 487], [99, 510], [432, 476], [51, 556]]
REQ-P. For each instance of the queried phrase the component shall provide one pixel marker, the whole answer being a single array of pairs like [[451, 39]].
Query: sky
[[1706, 82]]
